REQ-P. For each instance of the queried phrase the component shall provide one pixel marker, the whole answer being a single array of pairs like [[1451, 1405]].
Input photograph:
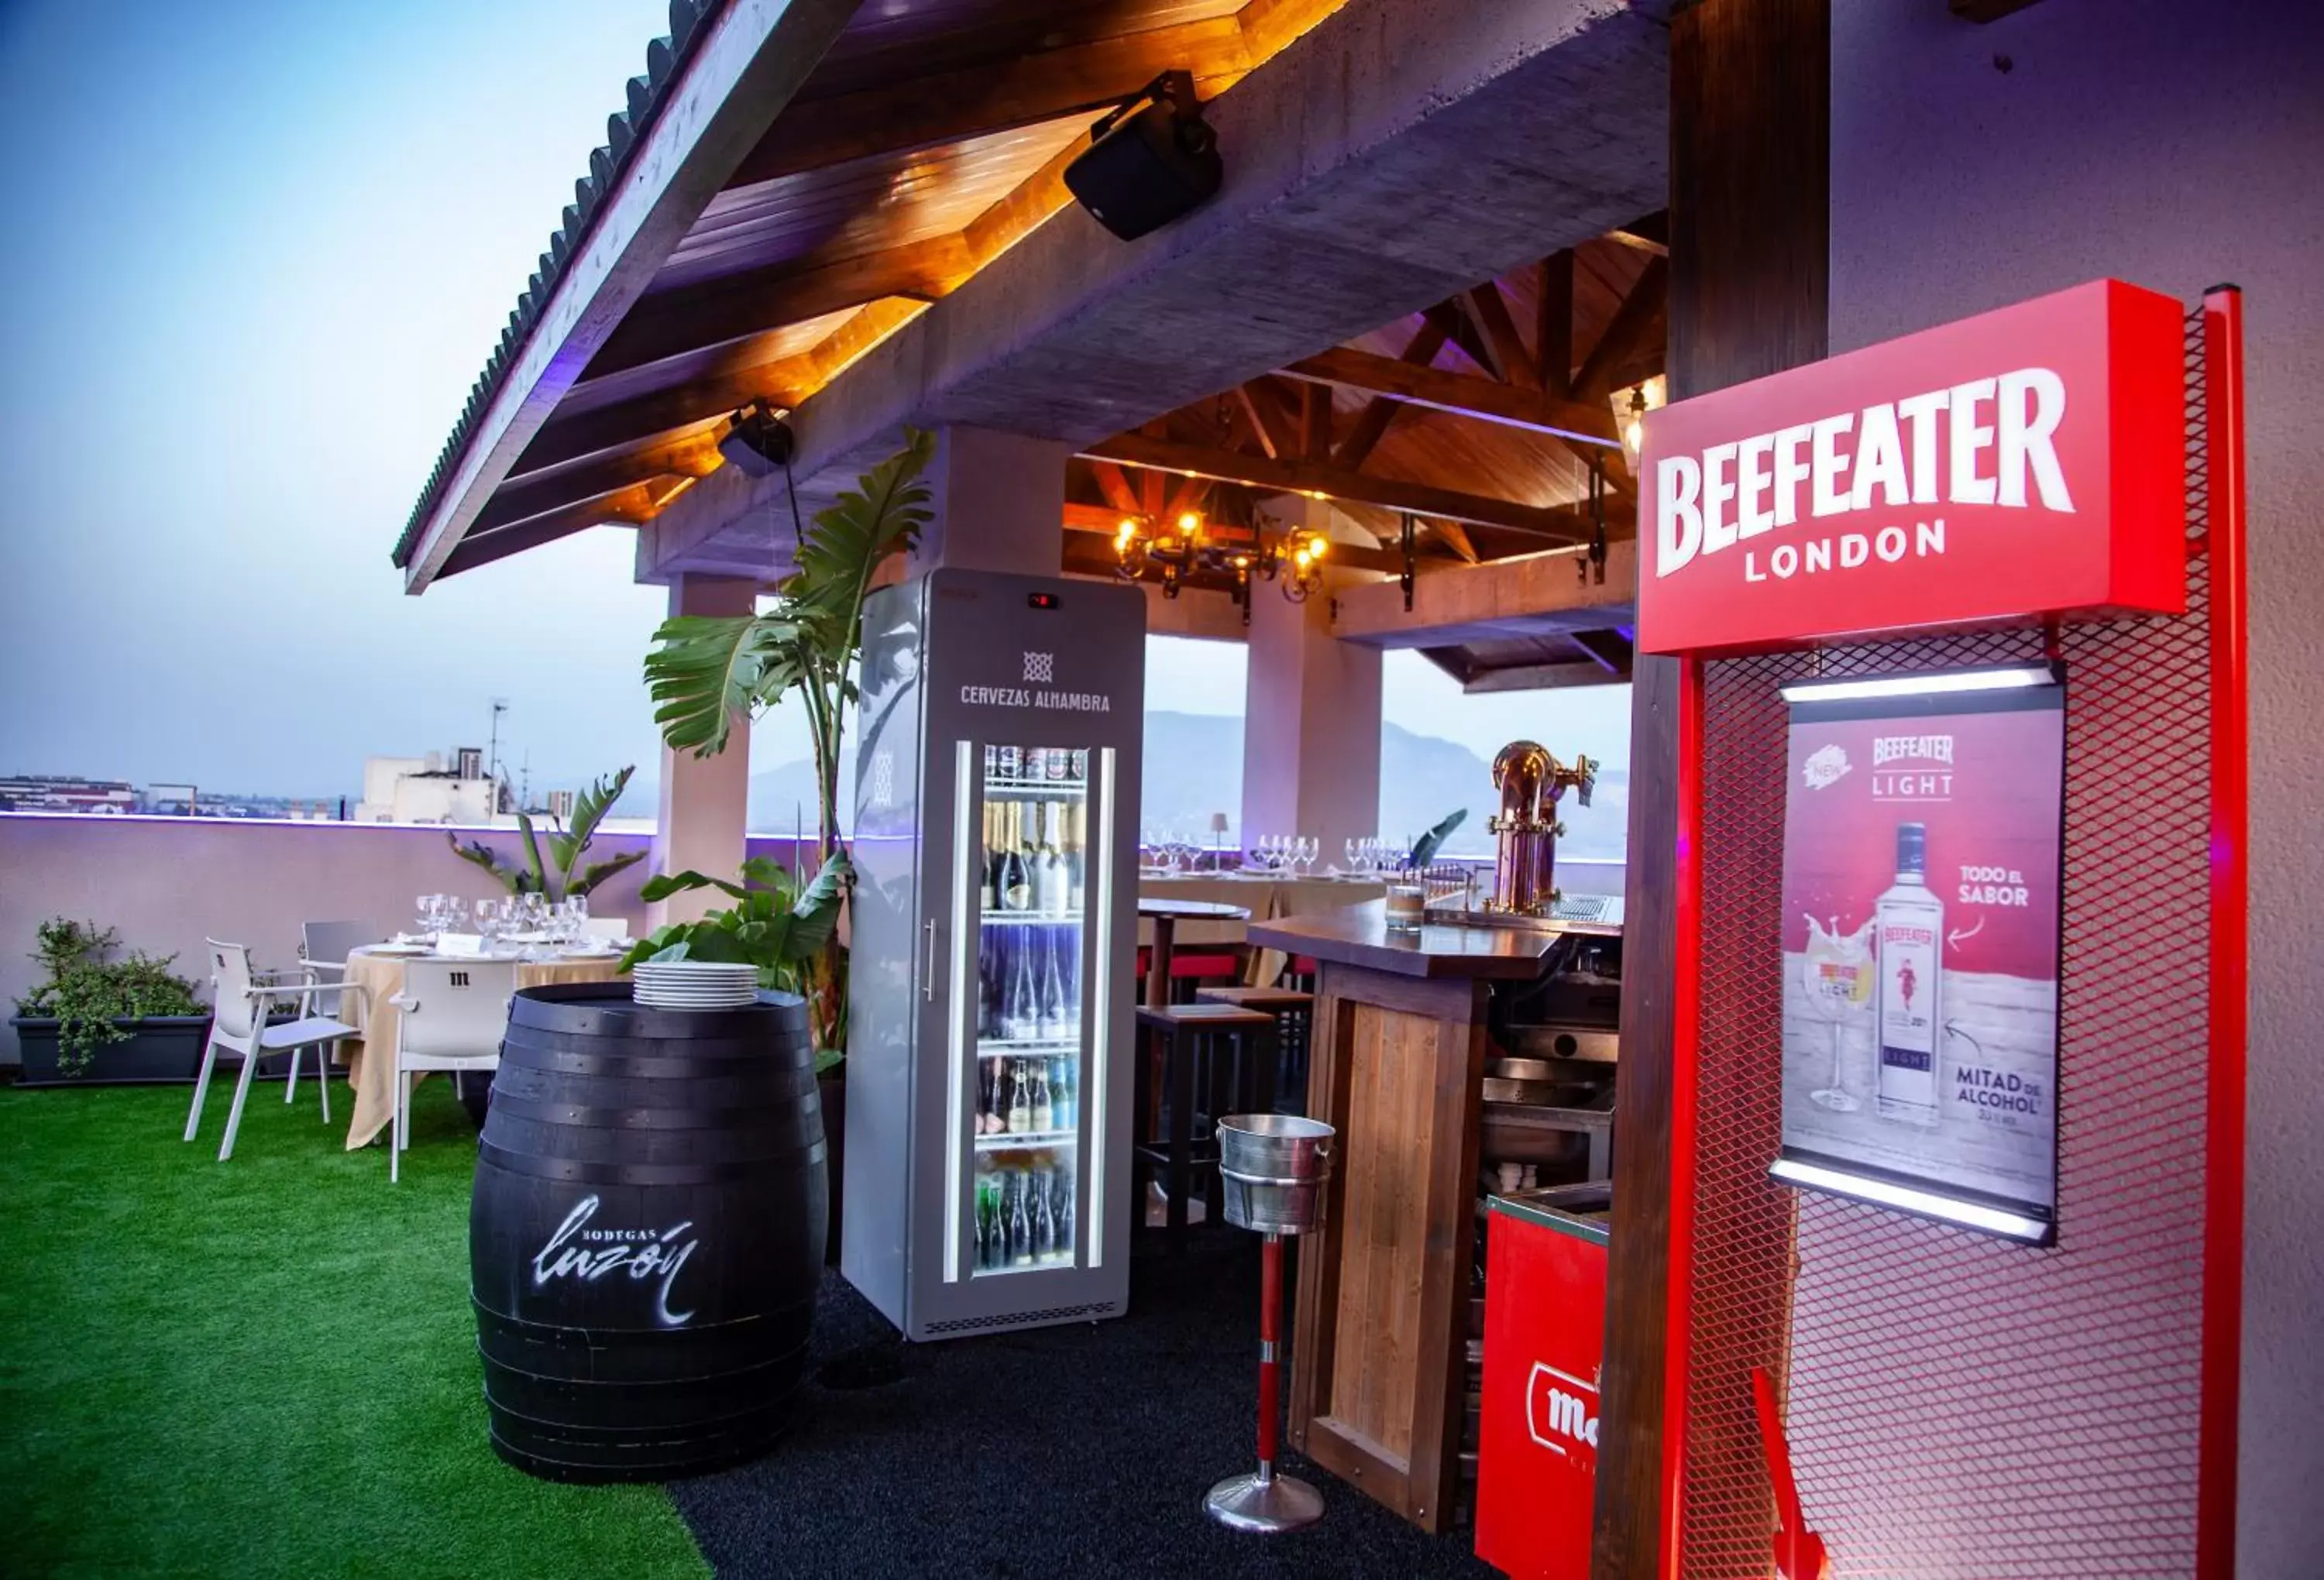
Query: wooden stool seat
[[1206, 1017], [1294, 1015], [1267, 1000]]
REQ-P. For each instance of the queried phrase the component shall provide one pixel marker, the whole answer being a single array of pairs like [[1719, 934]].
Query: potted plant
[[97, 1021], [561, 873], [705, 671], [784, 926]]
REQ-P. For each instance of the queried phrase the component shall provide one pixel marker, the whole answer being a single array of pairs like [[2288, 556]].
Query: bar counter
[[1397, 1066]]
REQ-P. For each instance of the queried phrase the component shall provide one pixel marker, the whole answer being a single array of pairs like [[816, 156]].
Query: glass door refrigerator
[[994, 945]]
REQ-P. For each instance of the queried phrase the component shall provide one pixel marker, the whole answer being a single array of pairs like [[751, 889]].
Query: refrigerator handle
[[928, 978]]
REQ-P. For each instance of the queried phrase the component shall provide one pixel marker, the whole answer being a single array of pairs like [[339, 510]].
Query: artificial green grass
[[265, 1366]]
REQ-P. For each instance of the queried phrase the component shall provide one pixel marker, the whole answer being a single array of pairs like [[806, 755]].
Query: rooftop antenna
[[493, 752]]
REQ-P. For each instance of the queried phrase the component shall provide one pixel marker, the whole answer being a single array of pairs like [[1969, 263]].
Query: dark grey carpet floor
[[1078, 1451]]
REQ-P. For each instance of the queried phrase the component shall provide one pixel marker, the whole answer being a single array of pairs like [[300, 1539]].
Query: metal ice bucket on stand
[[1272, 1167]]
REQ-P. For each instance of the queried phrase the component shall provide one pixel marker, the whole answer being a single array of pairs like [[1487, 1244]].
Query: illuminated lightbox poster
[[1921, 834]]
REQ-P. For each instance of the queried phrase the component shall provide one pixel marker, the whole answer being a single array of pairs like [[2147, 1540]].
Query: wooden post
[[1749, 229]]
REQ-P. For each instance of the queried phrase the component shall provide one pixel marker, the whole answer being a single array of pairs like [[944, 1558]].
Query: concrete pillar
[[704, 801], [1310, 744], [999, 502]]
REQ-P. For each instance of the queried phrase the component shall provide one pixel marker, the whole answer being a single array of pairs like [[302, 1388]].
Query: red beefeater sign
[[2025, 463]]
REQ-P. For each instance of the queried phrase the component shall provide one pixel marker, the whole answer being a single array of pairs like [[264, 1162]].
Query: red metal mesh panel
[[1959, 1406]]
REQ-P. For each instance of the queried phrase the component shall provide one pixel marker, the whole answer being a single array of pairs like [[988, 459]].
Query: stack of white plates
[[694, 985]]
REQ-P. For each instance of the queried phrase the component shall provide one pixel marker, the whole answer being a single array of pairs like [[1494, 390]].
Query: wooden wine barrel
[[647, 1233]]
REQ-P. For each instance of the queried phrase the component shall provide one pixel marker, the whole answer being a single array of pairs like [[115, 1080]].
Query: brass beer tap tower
[[1530, 782]]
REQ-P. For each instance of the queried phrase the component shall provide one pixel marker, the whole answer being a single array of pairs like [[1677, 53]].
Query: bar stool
[[1295, 1016], [1223, 1051]]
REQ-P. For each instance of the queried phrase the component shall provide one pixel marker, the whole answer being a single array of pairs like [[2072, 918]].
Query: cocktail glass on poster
[[1837, 973]]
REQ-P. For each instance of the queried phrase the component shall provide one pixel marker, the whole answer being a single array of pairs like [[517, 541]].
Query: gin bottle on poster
[[1909, 925]]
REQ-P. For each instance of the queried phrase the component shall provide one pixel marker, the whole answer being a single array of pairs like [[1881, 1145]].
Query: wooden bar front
[[1380, 1334]]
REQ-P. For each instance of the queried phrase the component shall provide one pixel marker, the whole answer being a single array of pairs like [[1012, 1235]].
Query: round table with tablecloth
[[381, 977]]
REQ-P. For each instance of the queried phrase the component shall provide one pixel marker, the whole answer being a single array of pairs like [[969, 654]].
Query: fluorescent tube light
[[1936, 683], [1993, 1220]]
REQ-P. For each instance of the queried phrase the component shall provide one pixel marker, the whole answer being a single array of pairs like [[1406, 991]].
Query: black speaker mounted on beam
[[759, 442], [1150, 159]]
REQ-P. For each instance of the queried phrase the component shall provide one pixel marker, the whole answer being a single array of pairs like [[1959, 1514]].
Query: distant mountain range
[[1194, 768]]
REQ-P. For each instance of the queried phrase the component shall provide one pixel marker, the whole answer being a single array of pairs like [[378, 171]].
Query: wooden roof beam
[[1491, 309], [1450, 318], [1541, 677], [735, 307], [1270, 410], [1610, 650], [1627, 333], [1554, 324], [663, 414], [1372, 423], [1310, 477], [1116, 488], [907, 113], [1462, 394], [696, 455], [1533, 594], [628, 505]]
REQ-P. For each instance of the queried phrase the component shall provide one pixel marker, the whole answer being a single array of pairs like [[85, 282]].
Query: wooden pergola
[[788, 188]]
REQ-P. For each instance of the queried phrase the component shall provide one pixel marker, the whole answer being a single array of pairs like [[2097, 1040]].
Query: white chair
[[612, 929], [323, 951], [242, 1000], [454, 1016], [324, 946]]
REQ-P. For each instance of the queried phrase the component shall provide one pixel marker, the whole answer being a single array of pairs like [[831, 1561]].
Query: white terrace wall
[[166, 883]]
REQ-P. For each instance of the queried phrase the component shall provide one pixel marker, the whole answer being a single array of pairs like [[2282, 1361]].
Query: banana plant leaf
[[532, 854], [1425, 848], [587, 879], [849, 541], [662, 886], [776, 926], [705, 669], [589, 810]]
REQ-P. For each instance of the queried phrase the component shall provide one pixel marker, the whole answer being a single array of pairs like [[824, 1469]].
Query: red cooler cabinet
[[1545, 1340]]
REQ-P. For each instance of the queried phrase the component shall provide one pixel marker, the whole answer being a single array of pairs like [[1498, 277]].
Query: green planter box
[[160, 1050]]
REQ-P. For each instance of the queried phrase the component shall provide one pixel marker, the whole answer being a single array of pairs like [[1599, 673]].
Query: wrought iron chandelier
[[1292, 560]]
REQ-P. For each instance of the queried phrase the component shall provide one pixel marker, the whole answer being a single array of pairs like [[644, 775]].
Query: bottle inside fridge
[[1029, 1043]]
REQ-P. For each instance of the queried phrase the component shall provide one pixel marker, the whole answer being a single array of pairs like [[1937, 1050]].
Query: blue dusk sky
[[257, 252]]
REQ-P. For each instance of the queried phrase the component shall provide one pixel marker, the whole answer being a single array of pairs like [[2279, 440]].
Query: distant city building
[[425, 790], [63, 793]]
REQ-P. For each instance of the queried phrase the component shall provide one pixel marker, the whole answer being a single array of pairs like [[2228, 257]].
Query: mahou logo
[[1561, 1412]]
